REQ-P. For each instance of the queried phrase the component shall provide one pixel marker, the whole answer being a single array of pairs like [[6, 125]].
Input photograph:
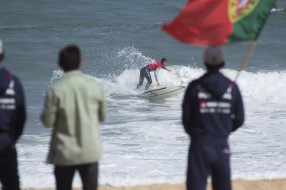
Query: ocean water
[[144, 141]]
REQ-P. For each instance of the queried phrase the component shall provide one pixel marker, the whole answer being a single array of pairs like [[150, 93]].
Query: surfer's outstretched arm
[[156, 76], [167, 69]]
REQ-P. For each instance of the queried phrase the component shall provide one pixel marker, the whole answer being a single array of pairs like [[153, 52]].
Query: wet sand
[[274, 184]]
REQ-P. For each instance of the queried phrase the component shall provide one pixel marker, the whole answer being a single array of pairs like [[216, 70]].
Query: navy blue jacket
[[212, 109], [12, 109]]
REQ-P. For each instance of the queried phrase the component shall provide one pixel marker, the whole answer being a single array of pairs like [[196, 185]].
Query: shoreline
[[238, 184]]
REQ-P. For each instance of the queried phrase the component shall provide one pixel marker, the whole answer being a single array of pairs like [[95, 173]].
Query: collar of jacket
[[72, 73]]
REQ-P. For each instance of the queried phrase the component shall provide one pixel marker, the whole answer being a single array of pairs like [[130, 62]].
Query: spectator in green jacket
[[74, 106]]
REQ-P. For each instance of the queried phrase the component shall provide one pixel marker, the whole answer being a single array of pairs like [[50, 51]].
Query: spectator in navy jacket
[[12, 119], [212, 109]]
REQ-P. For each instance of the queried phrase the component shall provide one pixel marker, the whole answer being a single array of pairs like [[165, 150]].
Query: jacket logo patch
[[203, 105], [10, 90], [8, 102], [210, 105]]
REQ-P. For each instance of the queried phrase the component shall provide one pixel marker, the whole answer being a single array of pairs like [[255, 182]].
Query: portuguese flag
[[219, 22]]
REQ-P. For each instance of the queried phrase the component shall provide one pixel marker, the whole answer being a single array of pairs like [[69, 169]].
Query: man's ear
[[81, 64], [59, 65]]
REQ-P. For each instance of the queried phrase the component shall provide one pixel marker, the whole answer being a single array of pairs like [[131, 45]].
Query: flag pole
[[246, 58]]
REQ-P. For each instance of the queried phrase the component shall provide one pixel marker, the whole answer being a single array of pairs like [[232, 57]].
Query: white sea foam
[[251, 84], [277, 10], [124, 84]]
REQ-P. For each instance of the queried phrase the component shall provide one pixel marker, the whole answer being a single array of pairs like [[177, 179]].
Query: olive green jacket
[[74, 106]]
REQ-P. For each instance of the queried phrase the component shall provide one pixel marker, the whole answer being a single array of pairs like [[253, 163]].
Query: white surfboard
[[162, 92]]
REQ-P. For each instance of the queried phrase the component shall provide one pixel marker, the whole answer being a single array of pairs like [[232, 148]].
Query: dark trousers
[[209, 160], [145, 72], [88, 174], [9, 177]]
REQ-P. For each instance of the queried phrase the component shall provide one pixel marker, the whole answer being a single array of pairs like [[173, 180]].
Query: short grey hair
[[213, 56]]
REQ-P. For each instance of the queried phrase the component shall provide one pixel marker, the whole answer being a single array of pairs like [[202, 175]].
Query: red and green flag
[[219, 22]]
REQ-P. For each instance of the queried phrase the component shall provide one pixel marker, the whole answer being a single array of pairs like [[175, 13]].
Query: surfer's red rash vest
[[154, 66]]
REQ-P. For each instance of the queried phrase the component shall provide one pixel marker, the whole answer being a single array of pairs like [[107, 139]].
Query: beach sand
[[275, 184]]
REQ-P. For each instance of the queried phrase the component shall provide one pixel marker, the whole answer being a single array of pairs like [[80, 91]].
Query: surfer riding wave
[[145, 72]]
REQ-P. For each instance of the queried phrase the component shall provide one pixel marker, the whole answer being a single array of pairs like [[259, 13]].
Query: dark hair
[[69, 58], [214, 68], [163, 60]]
